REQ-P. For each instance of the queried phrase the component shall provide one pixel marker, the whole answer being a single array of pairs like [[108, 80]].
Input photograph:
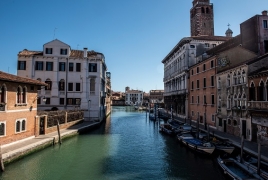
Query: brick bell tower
[[202, 19]]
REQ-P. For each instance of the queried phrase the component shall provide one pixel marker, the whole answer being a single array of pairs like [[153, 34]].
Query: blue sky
[[134, 35]]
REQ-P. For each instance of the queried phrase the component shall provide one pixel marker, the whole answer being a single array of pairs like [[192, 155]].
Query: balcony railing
[[176, 92], [262, 105]]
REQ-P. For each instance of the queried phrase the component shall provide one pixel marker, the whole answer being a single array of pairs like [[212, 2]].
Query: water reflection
[[128, 146]]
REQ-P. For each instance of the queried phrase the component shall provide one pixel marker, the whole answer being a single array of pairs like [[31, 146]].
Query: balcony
[[258, 105], [175, 92]]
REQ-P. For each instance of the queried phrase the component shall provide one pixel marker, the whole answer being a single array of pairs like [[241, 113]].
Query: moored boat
[[223, 146], [199, 145], [166, 128], [236, 170]]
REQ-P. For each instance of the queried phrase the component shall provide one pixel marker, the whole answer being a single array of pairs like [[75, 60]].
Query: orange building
[[18, 107], [202, 91]]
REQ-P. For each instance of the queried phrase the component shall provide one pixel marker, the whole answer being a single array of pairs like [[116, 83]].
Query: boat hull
[[198, 145]]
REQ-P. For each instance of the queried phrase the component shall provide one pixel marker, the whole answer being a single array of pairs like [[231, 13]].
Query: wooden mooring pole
[[58, 128], [1, 161]]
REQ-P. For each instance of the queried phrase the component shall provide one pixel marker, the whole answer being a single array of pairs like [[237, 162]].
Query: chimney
[[85, 52], [264, 13]]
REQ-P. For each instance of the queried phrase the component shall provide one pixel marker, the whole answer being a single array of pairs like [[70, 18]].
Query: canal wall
[[16, 151]]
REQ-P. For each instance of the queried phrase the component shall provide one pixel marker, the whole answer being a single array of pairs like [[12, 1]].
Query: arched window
[[24, 95], [19, 96], [235, 100], [229, 102], [61, 85], [228, 80], [2, 129], [235, 122], [229, 122], [234, 79], [207, 10], [203, 10], [18, 126], [23, 125], [49, 84], [252, 92], [261, 92]]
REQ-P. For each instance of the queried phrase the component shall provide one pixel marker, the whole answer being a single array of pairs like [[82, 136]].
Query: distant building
[[75, 78], [134, 97], [18, 107], [156, 96]]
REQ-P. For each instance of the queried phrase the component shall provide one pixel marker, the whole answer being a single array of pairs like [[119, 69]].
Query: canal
[[126, 147]]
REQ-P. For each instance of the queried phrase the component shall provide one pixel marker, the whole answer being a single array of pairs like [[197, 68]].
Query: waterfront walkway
[[15, 150], [249, 147]]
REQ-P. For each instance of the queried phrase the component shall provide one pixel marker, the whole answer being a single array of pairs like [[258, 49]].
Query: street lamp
[[205, 118]]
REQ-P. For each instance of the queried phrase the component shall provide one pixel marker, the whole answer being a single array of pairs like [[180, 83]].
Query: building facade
[[18, 107], [75, 78], [203, 92], [134, 97]]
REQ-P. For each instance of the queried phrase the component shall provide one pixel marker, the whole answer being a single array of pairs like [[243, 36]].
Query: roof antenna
[[54, 33]]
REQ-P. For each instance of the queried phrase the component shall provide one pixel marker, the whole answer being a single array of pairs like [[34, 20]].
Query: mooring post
[[58, 127], [242, 147], [259, 154], [1, 161]]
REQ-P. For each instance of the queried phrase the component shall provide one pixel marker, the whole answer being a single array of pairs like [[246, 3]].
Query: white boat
[[198, 145]]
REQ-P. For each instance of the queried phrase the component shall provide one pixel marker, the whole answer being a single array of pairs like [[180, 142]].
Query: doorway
[[42, 125], [224, 125], [244, 128]]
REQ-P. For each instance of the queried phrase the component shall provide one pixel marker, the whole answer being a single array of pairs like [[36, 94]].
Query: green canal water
[[127, 146]]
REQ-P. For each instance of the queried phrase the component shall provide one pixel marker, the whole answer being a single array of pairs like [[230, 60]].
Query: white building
[[75, 78], [134, 97]]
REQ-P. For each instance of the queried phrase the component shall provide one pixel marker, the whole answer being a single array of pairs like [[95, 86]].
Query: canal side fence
[[46, 121]]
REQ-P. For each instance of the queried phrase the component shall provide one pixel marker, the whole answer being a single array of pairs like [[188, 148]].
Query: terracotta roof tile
[[25, 52], [13, 78], [80, 54]]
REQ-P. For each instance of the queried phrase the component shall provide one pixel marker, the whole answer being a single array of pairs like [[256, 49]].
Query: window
[[24, 95], [204, 83], [211, 64], [252, 92], [47, 100], [39, 65], [92, 67], [61, 66], [73, 101], [49, 51], [92, 86], [19, 95], [63, 51], [206, 44], [192, 99], [49, 66], [235, 122], [61, 101], [192, 72], [265, 24], [49, 84], [265, 46], [71, 66], [192, 46], [77, 86], [61, 85], [2, 94], [213, 45], [22, 65], [20, 125], [212, 117], [212, 99], [229, 121], [205, 99], [2, 129], [204, 67], [197, 70], [78, 67], [197, 84], [212, 81], [220, 121], [192, 113], [192, 84], [70, 86], [197, 99]]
